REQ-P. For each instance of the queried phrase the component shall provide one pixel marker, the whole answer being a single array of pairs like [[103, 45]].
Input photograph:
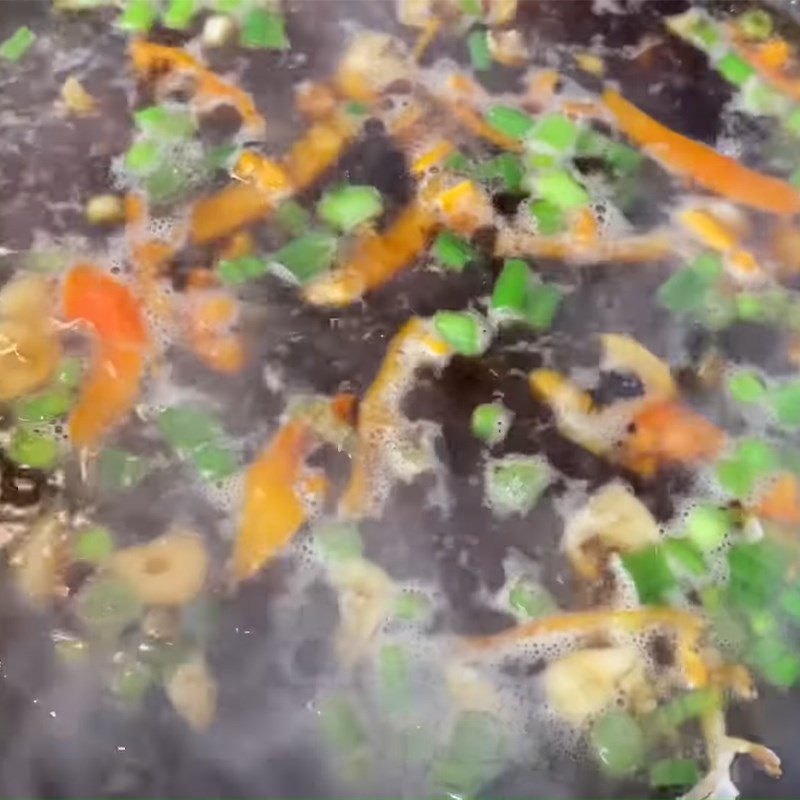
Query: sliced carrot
[[376, 259], [240, 244], [633, 250], [273, 509], [709, 169], [225, 212], [266, 174], [208, 332], [318, 149], [667, 432], [96, 298], [781, 502], [426, 37], [773, 62], [152, 61], [464, 207], [379, 414], [432, 157], [542, 86], [585, 227]]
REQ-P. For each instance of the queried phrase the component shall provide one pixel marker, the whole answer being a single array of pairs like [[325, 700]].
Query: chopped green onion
[[511, 287], [549, 217], [471, 7], [120, 469], [411, 606], [31, 449], [138, 16], [186, 427], [734, 69], [674, 773], [510, 121], [165, 123], [651, 573], [236, 271], [530, 600], [785, 402], [542, 304], [507, 168], [790, 602], [355, 108], [709, 265], [13, 48], [684, 558], [707, 34], [44, 407], [466, 332], [180, 13], [684, 291], [479, 54], [143, 157], [69, 373], [759, 456], [307, 256], [264, 29], [394, 677], [515, 483], [490, 422], [473, 756], [775, 661], [457, 162], [347, 206], [452, 250], [107, 606], [561, 189], [622, 159], [684, 707], [757, 572], [292, 217], [338, 541], [707, 526], [755, 24], [555, 132], [130, 681], [213, 462], [618, 743], [747, 387], [341, 725], [94, 545], [167, 185]]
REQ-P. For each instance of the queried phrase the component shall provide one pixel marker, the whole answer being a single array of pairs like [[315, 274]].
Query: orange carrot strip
[[273, 510], [665, 432], [154, 60], [781, 502], [709, 169], [233, 207], [426, 37], [633, 250], [109, 393], [771, 60], [377, 258]]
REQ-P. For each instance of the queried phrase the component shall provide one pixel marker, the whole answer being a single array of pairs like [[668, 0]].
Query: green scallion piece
[[530, 600], [236, 271], [186, 427], [785, 403], [338, 541], [94, 545], [138, 15], [561, 189], [511, 287], [347, 206], [15, 47], [734, 69], [506, 168], [143, 157], [292, 217], [542, 304], [479, 54], [757, 572], [510, 121], [31, 449], [684, 558], [453, 251], [618, 743], [707, 526], [549, 217], [394, 677], [44, 407], [775, 661], [466, 332], [120, 469], [514, 484], [341, 726], [674, 773], [213, 462], [755, 24], [180, 13], [165, 123], [106, 606], [747, 387], [264, 29], [490, 422], [307, 256], [651, 573], [69, 373], [790, 602], [684, 707], [555, 132], [412, 607]]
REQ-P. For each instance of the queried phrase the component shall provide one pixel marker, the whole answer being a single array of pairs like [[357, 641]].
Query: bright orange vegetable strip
[[665, 432], [233, 207], [716, 173], [95, 298], [781, 502], [153, 60], [770, 61], [377, 258], [273, 511]]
